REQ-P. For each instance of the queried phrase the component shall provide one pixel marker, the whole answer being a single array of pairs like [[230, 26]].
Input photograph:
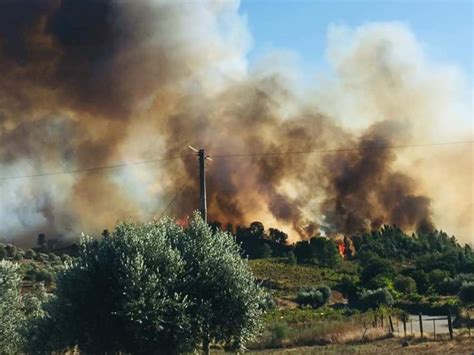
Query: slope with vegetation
[[159, 286]]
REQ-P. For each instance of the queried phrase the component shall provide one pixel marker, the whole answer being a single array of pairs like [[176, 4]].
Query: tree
[[466, 293], [404, 284], [318, 250], [257, 229], [373, 299], [374, 267], [3, 252], [11, 315], [278, 236], [314, 297], [263, 251], [153, 287], [41, 241]]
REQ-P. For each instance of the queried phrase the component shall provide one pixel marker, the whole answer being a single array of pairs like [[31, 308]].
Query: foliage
[[466, 293], [349, 289], [314, 297], [373, 299], [373, 267], [318, 250], [152, 286], [291, 258], [257, 244], [431, 250], [278, 236], [3, 252], [452, 285], [30, 254], [11, 314], [404, 284]]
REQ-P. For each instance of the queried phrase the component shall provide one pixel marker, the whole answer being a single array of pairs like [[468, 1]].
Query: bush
[[466, 293], [41, 257], [11, 316], [264, 251], [452, 286], [43, 275], [314, 297], [11, 250], [349, 289], [374, 267], [291, 258], [3, 252], [30, 254], [153, 286], [404, 284], [373, 299], [437, 276]]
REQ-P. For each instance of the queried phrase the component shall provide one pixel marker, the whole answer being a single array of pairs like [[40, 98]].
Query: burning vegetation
[[96, 83]]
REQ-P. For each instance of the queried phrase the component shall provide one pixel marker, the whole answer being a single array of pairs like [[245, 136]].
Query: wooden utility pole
[[202, 184], [201, 153]]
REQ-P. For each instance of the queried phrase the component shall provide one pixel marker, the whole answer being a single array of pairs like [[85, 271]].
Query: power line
[[237, 155], [96, 168], [339, 150], [175, 196]]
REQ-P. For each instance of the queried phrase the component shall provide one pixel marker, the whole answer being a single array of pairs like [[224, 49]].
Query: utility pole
[[202, 181]]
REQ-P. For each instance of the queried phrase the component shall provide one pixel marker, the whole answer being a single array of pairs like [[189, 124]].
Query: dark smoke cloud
[[367, 193], [96, 82]]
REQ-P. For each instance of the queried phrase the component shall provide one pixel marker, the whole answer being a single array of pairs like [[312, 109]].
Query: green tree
[[318, 250], [11, 314], [3, 252], [466, 293], [30, 254], [437, 276], [278, 236], [314, 297], [153, 287], [404, 284], [374, 267], [373, 299]]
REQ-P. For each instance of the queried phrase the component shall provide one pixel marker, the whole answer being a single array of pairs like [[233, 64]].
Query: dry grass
[[317, 333], [385, 346]]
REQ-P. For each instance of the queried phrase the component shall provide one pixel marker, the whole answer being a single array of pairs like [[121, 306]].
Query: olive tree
[[153, 288], [11, 313]]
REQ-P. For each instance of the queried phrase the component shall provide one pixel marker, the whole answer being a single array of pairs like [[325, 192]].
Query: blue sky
[[444, 28]]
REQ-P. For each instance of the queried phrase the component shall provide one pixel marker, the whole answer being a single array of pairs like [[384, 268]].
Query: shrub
[[373, 299], [11, 250], [314, 297], [3, 252], [349, 289], [43, 275], [291, 258], [404, 284], [30, 254], [437, 276], [11, 316], [264, 251], [41, 257], [267, 302], [466, 293], [374, 267]]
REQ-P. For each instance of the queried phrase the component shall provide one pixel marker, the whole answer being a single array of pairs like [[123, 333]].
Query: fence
[[425, 327]]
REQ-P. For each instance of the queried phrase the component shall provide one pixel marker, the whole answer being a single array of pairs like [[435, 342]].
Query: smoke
[[100, 82]]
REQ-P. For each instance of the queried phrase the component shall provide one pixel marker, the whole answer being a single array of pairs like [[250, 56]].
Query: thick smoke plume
[[99, 82]]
